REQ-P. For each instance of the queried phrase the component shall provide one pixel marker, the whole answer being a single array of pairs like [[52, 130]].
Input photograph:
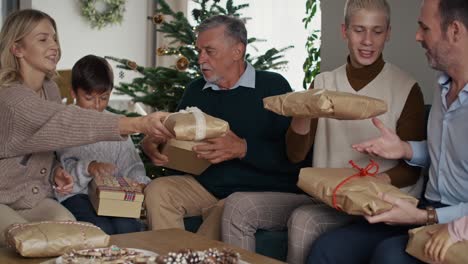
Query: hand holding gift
[[190, 126], [150, 146], [150, 125], [402, 212], [432, 244], [317, 103], [220, 149], [437, 246]]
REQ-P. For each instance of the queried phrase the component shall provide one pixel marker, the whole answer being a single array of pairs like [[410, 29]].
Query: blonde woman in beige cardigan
[[34, 124]]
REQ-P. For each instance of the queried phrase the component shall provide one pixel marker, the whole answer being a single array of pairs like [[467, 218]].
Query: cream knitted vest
[[333, 139]]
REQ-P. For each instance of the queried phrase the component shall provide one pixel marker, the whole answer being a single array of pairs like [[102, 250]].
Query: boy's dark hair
[[92, 74]]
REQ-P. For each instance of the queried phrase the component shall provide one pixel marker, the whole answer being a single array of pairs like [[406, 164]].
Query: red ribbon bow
[[362, 172]]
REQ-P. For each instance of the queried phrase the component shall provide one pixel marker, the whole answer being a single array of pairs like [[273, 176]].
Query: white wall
[[127, 40], [401, 50], [132, 39], [279, 22]]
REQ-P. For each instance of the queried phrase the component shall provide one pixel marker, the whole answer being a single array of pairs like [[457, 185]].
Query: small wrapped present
[[116, 196], [182, 158], [193, 124], [354, 190], [317, 103], [53, 238], [418, 237]]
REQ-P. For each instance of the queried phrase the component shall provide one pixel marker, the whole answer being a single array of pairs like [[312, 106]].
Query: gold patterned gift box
[[192, 124], [116, 196], [53, 238]]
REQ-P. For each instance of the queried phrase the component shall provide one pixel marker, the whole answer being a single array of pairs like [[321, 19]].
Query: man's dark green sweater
[[265, 166]]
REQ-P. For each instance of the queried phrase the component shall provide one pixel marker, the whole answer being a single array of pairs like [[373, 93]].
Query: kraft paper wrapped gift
[[358, 196], [418, 237], [54, 238], [193, 125], [182, 158], [116, 196], [317, 103]]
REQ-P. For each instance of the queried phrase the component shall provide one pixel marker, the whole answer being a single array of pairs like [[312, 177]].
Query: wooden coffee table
[[162, 242]]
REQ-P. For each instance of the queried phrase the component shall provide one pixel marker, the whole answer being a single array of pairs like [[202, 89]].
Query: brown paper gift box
[[182, 158], [193, 125], [456, 254], [112, 196], [359, 196], [324, 103], [54, 238]]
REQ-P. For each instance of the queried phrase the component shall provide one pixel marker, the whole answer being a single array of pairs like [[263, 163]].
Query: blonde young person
[[35, 124], [443, 33], [366, 29]]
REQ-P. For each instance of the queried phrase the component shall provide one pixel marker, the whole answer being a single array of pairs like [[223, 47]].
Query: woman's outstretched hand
[[151, 125]]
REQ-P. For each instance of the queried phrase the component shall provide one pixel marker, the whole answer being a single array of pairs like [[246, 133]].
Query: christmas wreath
[[113, 12]]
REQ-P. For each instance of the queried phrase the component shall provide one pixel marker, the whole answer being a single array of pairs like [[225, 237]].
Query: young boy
[[92, 83], [366, 29]]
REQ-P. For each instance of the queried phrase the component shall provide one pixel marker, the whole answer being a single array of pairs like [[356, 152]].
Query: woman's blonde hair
[[17, 25], [351, 6]]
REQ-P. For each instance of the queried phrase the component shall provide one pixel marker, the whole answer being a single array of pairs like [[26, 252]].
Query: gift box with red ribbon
[[352, 190], [116, 196]]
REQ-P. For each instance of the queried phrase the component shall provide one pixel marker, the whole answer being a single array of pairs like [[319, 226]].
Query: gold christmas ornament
[[161, 51], [158, 19], [132, 65], [182, 63]]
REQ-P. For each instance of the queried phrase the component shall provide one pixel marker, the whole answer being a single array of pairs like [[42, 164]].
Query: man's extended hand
[[402, 212], [220, 149], [63, 181], [388, 145], [150, 146]]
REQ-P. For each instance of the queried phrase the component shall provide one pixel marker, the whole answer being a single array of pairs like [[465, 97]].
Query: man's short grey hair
[[234, 27], [352, 6]]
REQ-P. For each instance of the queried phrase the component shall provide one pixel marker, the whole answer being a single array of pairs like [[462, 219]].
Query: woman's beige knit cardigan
[[31, 129]]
